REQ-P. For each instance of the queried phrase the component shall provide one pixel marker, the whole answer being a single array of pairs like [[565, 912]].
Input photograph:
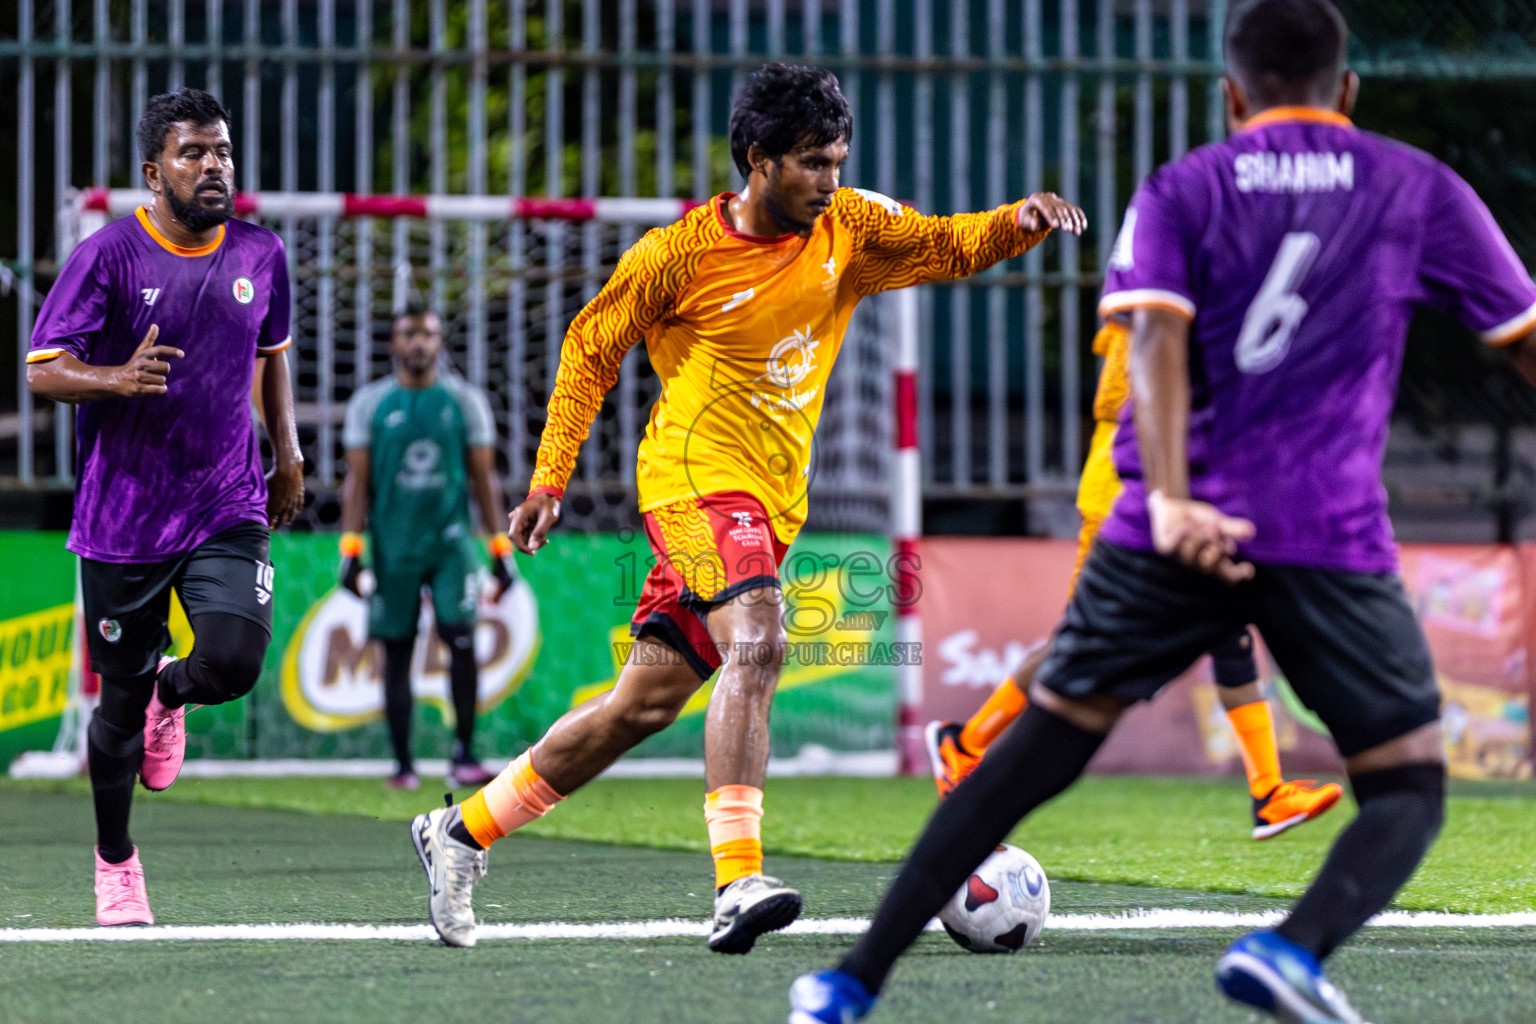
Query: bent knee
[[232, 672]]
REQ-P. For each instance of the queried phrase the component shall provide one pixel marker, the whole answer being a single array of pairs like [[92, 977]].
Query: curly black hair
[[1282, 49], [781, 106], [172, 108]]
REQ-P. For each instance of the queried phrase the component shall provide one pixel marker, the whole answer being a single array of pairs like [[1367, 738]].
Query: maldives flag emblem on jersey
[[244, 291]]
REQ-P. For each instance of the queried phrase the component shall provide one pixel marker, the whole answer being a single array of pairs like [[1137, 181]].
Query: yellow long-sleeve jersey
[[743, 332]]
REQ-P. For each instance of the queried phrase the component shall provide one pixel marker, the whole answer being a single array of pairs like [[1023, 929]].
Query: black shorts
[[1348, 642], [128, 605]]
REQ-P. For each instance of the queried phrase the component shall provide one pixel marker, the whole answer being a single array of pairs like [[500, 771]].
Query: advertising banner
[[561, 635], [987, 601], [1476, 605], [555, 640], [36, 634]]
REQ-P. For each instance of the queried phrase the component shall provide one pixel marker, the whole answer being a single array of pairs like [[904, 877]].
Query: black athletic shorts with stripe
[[128, 605], [1348, 642]]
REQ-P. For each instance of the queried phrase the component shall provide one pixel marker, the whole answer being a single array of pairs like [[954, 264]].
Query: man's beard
[[196, 217], [789, 223]]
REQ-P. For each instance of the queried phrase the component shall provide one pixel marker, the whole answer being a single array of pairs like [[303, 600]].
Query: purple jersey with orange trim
[[158, 475], [1299, 248]]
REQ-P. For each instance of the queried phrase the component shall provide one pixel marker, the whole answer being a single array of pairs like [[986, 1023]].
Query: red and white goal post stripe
[[93, 207], [118, 202]]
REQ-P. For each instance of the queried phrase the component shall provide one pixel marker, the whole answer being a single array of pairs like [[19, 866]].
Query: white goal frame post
[[528, 264]]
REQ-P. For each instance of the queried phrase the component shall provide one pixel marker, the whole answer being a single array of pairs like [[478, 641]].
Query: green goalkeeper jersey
[[418, 441]]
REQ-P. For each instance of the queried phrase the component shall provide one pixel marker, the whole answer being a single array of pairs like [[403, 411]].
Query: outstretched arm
[[1194, 532], [901, 248]]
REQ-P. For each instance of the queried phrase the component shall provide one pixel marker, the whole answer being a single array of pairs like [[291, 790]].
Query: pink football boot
[[165, 738], [120, 894]]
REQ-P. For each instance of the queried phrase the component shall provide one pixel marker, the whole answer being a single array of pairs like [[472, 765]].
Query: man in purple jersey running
[[1270, 279], [153, 329]]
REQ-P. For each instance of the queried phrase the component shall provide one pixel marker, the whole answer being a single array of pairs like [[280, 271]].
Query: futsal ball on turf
[[1002, 906]]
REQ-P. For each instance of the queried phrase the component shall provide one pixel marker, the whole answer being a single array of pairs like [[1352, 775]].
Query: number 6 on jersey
[[1276, 312]]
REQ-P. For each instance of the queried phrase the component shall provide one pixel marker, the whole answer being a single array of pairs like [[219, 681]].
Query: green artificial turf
[[1178, 833], [1127, 978], [217, 864]]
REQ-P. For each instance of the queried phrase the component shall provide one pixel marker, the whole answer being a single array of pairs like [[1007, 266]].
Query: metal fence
[[958, 106]]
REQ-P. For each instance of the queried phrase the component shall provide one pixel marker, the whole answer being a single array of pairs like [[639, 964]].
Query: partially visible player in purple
[[153, 330], [1270, 279]]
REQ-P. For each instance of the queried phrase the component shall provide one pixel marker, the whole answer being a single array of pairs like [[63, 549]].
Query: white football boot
[[747, 908], [451, 868]]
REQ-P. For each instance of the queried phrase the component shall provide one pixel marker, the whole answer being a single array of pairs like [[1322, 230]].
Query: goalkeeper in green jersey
[[417, 441]]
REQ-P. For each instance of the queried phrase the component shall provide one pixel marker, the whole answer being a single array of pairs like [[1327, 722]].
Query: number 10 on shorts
[[265, 576]]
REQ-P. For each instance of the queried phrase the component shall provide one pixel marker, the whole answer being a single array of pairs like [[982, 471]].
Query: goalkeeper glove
[[352, 562], [503, 569]]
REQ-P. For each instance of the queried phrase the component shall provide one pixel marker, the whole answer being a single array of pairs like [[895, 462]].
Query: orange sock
[[734, 815], [1256, 738], [1006, 703], [508, 802]]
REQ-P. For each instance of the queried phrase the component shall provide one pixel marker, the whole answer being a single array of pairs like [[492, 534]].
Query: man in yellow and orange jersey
[[954, 749], [742, 306]]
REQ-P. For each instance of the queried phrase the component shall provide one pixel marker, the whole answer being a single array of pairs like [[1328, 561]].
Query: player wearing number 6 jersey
[[171, 493], [742, 306], [1270, 279], [954, 749]]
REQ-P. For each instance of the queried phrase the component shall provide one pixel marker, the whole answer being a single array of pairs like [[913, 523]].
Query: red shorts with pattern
[[708, 550]]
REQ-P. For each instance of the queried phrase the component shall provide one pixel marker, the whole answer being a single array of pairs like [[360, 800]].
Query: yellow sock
[[1256, 738], [734, 816], [1006, 703]]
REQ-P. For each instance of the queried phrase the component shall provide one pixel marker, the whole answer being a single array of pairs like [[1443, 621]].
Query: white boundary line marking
[[1141, 920], [811, 760]]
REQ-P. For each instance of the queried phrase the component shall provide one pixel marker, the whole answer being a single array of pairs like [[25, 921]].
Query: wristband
[[351, 545], [499, 545]]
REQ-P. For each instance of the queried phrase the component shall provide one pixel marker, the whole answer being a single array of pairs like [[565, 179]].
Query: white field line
[[811, 760], [1142, 920]]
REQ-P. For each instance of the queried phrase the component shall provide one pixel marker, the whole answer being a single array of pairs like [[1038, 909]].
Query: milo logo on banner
[[333, 677]]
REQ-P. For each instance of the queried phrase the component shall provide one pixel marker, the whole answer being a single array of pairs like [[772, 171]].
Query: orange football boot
[[951, 762], [1291, 803]]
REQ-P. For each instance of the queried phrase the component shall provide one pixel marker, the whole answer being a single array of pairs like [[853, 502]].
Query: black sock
[[112, 757], [1041, 755], [460, 831], [464, 681], [1401, 810], [397, 698]]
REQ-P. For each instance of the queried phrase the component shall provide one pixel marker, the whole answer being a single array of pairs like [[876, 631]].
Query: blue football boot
[[1273, 974], [828, 997]]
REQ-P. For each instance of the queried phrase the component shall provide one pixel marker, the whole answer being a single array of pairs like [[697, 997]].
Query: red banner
[[986, 602]]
